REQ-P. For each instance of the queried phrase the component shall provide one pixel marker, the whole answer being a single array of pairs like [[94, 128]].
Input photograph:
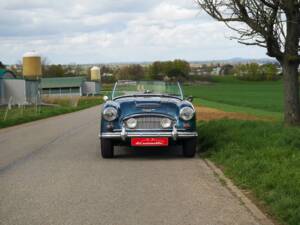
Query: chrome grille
[[149, 122]]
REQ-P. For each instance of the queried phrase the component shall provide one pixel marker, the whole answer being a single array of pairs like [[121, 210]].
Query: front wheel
[[189, 147], [107, 148]]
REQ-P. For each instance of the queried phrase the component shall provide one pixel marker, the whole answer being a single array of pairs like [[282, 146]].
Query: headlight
[[110, 114], [166, 123], [131, 123], [186, 113]]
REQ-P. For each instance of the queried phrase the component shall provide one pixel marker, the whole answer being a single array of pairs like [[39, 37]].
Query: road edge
[[254, 210]]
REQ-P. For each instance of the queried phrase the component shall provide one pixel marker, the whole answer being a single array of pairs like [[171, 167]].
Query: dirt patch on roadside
[[207, 114]]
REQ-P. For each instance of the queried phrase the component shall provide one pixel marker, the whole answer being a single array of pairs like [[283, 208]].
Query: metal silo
[[32, 64], [95, 74]]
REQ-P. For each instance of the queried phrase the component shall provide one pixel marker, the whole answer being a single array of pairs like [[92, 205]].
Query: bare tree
[[45, 63], [274, 25]]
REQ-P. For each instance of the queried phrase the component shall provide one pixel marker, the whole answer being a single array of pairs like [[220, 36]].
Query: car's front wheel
[[189, 147], [107, 148]]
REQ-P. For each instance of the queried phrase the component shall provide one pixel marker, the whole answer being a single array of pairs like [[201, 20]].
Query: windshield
[[141, 88]]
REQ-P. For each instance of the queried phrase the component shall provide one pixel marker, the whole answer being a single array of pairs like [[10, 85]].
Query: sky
[[107, 31]]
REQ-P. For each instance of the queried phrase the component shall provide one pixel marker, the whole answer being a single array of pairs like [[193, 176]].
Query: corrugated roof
[[62, 82]]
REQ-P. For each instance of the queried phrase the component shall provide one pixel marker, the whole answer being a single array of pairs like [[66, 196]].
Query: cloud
[[167, 11], [86, 31]]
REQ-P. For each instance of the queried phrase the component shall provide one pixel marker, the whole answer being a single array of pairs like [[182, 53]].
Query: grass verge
[[259, 156], [17, 115]]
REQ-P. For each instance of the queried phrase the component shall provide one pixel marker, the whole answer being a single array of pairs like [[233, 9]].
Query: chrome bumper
[[174, 134]]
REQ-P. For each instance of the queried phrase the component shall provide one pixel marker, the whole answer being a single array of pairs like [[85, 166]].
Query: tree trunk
[[291, 93]]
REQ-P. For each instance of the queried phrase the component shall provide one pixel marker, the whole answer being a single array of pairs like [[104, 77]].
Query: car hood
[[150, 105]]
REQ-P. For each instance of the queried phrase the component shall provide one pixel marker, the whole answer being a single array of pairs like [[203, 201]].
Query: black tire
[[189, 147], [107, 148]]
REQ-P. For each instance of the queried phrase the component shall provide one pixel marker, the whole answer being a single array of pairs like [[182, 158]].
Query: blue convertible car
[[147, 113]]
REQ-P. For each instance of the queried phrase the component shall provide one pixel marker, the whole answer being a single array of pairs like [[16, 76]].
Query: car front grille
[[149, 122]]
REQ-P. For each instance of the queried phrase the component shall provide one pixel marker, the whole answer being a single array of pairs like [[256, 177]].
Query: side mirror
[[190, 98], [105, 98]]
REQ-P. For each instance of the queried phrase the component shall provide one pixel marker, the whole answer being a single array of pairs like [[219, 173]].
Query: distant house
[[199, 71], [216, 71], [4, 73], [68, 86]]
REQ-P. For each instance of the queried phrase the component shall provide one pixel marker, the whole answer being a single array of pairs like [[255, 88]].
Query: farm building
[[18, 91], [68, 86], [91, 88]]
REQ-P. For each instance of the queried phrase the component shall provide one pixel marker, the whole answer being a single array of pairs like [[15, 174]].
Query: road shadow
[[157, 153]]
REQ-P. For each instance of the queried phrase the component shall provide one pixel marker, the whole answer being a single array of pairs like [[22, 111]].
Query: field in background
[[259, 98], [263, 98], [54, 106], [263, 114]]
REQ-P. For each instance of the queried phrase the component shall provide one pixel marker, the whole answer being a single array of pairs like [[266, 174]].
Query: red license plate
[[149, 142]]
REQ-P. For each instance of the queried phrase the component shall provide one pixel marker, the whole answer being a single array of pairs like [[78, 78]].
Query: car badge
[[148, 110]]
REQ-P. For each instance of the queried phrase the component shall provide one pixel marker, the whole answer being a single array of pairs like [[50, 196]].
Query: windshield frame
[[180, 97]]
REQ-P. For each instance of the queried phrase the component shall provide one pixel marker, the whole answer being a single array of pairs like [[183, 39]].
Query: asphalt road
[[51, 172]]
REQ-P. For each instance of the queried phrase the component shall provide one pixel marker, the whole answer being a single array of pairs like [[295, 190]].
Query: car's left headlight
[[110, 114], [186, 113], [166, 123]]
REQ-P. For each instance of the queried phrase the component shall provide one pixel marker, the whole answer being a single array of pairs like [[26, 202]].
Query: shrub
[[255, 72], [108, 79], [175, 70]]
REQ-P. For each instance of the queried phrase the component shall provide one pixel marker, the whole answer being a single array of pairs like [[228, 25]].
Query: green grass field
[[263, 157], [258, 98]]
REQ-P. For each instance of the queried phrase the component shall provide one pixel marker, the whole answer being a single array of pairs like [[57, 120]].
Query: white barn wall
[[15, 89], [90, 88], [21, 91]]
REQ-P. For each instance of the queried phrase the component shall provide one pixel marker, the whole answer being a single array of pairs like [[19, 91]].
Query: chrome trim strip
[[118, 135], [113, 92], [123, 133], [181, 92], [148, 95], [153, 130], [174, 132]]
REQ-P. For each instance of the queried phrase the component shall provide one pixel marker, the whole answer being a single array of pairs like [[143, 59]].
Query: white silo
[[32, 64], [95, 73]]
